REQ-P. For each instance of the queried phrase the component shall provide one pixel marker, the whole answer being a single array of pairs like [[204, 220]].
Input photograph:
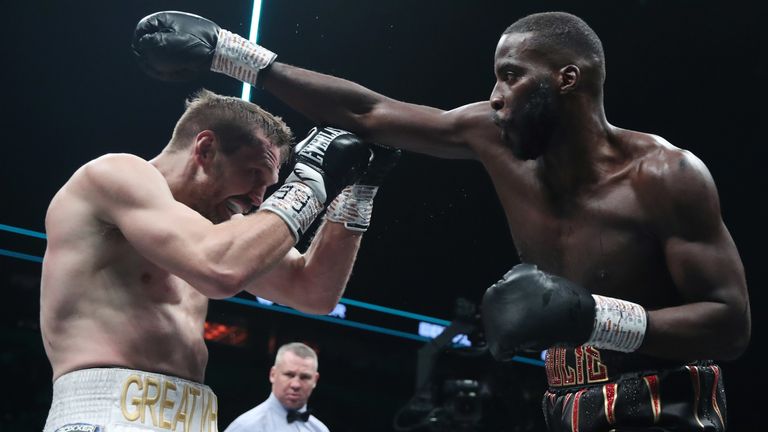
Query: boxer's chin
[[235, 208], [219, 215], [507, 139], [224, 212], [515, 145]]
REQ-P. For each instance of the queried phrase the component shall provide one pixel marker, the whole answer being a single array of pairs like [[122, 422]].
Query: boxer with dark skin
[[593, 209], [624, 213]]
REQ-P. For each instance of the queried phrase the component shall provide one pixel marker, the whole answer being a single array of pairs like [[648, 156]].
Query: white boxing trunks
[[125, 400]]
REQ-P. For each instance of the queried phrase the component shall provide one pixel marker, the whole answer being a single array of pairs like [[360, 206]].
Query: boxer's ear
[[570, 77], [205, 148]]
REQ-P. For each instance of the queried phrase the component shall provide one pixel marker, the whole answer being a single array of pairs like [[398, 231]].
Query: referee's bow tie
[[294, 415]]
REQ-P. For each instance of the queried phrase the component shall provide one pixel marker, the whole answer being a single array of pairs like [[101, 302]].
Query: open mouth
[[238, 207]]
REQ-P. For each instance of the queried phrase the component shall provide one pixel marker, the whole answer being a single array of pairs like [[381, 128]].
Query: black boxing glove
[[353, 207], [179, 46], [531, 309], [327, 160]]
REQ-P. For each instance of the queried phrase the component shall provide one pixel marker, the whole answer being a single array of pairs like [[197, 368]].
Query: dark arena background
[[693, 72]]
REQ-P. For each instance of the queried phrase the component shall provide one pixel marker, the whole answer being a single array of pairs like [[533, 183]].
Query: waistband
[[126, 399], [586, 365]]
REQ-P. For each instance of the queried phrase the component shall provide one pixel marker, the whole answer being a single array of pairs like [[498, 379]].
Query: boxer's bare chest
[[601, 238], [145, 280]]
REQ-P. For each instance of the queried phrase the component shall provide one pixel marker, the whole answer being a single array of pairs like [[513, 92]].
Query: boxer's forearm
[[324, 99], [199, 45], [312, 282], [327, 267], [702, 330], [337, 102], [238, 252]]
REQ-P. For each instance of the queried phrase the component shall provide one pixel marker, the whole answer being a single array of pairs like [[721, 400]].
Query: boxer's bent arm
[[315, 281], [714, 321], [217, 260], [334, 101]]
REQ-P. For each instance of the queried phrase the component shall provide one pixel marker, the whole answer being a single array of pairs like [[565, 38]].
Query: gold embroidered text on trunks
[[588, 367], [166, 405]]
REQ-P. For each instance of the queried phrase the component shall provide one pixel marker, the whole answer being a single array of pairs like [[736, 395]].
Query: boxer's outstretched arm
[[714, 319], [330, 100], [177, 46]]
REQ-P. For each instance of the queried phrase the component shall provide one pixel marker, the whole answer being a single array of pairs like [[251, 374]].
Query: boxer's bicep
[[702, 257], [132, 195], [709, 278], [700, 253], [707, 316]]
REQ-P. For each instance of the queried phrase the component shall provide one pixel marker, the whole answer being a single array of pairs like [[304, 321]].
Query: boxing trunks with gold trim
[[594, 390], [126, 400]]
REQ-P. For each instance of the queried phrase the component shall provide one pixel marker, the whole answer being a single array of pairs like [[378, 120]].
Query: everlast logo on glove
[[326, 161], [315, 147]]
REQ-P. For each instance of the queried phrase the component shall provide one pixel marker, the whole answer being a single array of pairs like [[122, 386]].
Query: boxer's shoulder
[[112, 163], [120, 177]]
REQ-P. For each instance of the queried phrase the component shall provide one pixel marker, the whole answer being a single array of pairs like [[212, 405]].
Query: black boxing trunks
[[126, 400], [601, 390]]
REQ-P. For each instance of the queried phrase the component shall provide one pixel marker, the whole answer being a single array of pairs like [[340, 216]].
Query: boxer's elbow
[[734, 335], [372, 120], [740, 346], [316, 298], [315, 308], [741, 334], [318, 304], [324, 307], [733, 348]]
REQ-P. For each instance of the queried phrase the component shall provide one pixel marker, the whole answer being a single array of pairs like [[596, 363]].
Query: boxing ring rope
[[437, 324], [19, 255], [22, 231]]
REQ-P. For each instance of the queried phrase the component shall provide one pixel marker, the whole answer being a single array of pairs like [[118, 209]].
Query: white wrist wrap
[[619, 324], [240, 58], [353, 207], [296, 204]]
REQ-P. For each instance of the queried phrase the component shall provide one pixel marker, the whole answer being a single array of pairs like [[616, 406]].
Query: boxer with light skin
[[136, 248], [630, 277]]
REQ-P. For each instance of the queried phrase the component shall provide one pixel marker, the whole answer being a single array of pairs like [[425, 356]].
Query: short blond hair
[[233, 120]]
